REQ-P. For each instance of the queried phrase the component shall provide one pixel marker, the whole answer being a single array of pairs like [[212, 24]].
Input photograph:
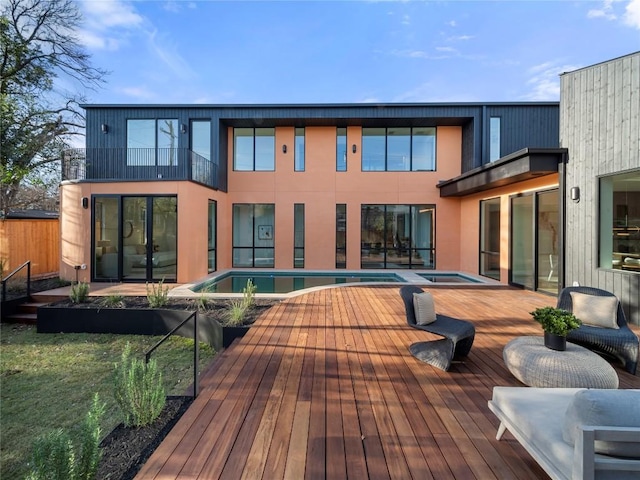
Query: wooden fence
[[37, 240]]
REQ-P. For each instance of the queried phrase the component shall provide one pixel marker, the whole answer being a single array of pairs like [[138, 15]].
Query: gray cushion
[[613, 408], [595, 310], [424, 308]]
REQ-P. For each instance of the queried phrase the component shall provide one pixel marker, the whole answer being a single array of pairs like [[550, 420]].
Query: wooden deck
[[323, 386]]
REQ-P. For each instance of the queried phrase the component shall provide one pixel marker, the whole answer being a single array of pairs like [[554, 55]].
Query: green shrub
[[114, 300], [138, 390], [56, 458], [555, 320], [236, 313], [158, 297], [248, 294], [79, 292]]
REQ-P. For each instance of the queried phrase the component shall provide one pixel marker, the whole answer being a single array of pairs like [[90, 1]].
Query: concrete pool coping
[[411, 277]]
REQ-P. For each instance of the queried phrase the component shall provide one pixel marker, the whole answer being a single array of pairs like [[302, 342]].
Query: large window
[[397, 236], [341, 149], [253, 235], [534, 240], [299, 150], [254, 149], [135, 238], [341, 235], [490, 238], [620, 221], [152, 142], [400, 149], [298, 235]]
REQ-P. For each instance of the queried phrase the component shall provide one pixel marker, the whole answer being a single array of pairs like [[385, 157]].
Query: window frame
[[370, 161], [256, 158]]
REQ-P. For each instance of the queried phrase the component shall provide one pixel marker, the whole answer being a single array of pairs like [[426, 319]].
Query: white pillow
[[424, 308], [613, 408], [594, 310]]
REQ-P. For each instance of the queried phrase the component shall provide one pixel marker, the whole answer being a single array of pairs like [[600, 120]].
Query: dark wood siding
[[599, 124]]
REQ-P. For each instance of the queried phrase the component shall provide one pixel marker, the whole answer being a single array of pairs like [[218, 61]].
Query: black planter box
[[229, 334], [53, 319]]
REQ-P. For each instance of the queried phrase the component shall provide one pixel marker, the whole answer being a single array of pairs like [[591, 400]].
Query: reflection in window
[[341, 150], [152, 142], [298, 235], [620, 222], [254, 149], [211, 236], [253, 235], [299, 150], [494, 138], [397, 236], [341, 235], [490, 238], [399, 149]]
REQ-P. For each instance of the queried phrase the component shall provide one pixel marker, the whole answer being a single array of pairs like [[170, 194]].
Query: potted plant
[[556, 323]]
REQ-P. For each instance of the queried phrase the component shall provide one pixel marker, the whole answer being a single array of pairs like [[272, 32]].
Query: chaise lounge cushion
[[614, 408], [597, 311], [424, 308]]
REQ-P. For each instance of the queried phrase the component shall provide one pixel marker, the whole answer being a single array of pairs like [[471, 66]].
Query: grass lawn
[[48, 381]]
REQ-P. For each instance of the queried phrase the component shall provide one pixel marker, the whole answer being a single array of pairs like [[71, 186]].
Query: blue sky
[[263, 52]]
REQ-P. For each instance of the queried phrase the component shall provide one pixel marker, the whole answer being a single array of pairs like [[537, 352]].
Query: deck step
[[31, 307], [45, 298]]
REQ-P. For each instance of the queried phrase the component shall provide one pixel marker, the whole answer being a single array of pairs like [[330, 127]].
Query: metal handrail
[[196, 348], [8, 277]]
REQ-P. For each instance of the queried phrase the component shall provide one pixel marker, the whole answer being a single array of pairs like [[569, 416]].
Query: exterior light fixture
[[284, 148], [85, 202], [183, 128], [104, 128], [575, 194], [353, 148]]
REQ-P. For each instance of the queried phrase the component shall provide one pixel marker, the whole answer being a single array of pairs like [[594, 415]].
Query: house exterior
[[536, 195], [176, 192]]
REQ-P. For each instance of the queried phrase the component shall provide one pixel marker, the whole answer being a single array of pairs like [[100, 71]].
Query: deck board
[[323, 386]]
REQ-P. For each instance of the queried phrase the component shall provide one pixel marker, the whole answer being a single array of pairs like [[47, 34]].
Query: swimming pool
[[449, 278], [286, 282]]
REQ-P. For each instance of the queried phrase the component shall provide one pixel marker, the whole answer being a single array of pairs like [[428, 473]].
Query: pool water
[[234, 282], [448, 278]]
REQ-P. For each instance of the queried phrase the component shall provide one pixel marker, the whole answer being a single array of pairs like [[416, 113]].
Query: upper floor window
[[399, 149], [494, 138], [254, 149], [341, 150], [299, 150], [152, 142]]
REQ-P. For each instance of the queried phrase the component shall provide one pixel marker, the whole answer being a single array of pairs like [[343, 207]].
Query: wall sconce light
[[183, 128], [104, 128], [284, 149], [353, 148], [575, 194], [85, 202]]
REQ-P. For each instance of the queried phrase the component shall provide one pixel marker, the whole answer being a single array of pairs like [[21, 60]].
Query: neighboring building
[[179, 191], [600, 126]]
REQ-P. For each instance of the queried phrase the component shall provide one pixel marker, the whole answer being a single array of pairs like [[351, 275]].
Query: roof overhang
[[516, 167]]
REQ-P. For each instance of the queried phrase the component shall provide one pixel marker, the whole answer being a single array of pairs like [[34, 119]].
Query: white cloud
[[605, 12], [544, 81], [632, 14], [452, 23], [460, 38], [139, 93], [107, 25]]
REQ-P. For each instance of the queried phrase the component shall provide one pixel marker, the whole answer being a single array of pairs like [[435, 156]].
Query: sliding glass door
[[535, 241], [135, 238]]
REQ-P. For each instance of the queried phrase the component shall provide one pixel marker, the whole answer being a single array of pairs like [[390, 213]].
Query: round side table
[[538, 366]]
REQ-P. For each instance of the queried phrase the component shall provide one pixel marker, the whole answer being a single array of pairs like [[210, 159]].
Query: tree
[[39, 46]]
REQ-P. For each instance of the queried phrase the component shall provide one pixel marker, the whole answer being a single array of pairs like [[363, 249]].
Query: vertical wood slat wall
[[600, 125], [37, 240]]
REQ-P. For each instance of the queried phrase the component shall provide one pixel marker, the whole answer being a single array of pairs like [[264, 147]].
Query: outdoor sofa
[[574, 433]]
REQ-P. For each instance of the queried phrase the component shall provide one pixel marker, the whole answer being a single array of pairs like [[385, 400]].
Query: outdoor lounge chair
[[458, 334], [620, 343]]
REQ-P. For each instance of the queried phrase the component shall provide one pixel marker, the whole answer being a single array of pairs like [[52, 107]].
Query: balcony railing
[[138, 164]]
